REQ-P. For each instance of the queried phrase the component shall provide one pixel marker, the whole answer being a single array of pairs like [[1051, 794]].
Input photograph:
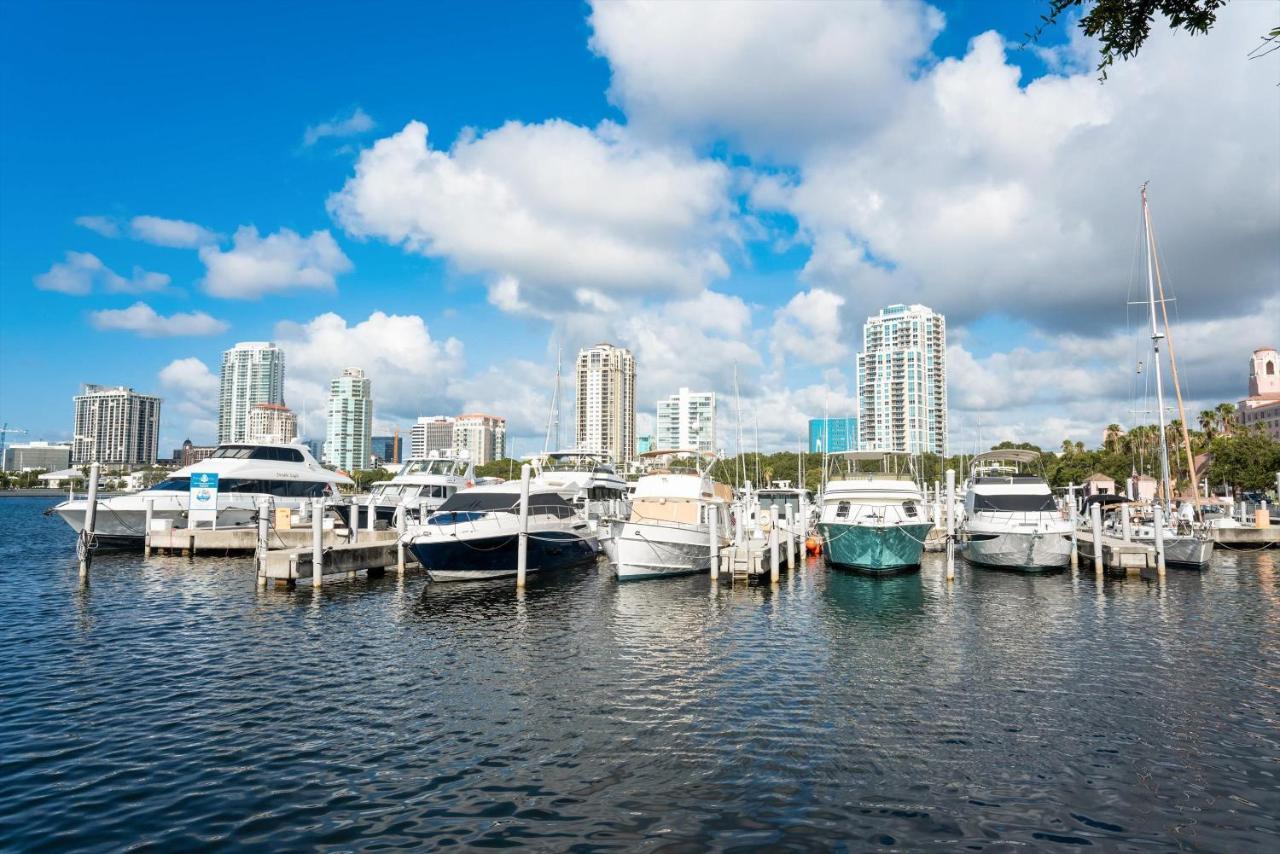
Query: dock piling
[[713, 523], [791, 538], [353, 527], [90, 523], [150, 505], [951, 524], [1126, 525], [773, 545], [260, 558], [1075, 525], [1095, 526], [401, 528], [371, 514], [317, 542], [1157, 522], [522, 553]]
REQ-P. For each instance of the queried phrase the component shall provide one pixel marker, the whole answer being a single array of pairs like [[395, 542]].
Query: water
[[174, 704]]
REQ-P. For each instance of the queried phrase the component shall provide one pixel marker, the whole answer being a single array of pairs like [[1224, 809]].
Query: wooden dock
[[1118, 555], [190, 542], [286, 567]]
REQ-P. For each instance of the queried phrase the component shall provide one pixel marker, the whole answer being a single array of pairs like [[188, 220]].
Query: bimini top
[[502, 498], [1013, 455]]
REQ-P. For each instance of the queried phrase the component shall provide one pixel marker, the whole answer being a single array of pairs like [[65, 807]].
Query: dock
[[286, 567], [190, 542], [1248, 537], [1118, 554]]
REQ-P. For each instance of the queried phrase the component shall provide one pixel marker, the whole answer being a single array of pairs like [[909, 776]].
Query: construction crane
[[5, 430]]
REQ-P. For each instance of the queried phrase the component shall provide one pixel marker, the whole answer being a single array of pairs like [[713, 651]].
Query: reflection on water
[[173, 703]]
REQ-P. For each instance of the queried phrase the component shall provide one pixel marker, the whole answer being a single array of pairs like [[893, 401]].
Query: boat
[[586, 479], [475, 534], [780, 495], [872, 522], [1011, 519], [1182, 545], [287, 474], [422, 484], [668, 529]]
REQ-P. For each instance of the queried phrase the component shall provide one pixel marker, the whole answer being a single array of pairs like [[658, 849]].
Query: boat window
[[842, 510], [259, 452], [909, 509], [172, 484], [1014, 503]]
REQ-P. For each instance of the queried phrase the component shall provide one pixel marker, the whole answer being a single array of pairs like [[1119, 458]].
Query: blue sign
[[204, 496]]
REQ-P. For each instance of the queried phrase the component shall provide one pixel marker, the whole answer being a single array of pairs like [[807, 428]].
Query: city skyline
[[678, 209]]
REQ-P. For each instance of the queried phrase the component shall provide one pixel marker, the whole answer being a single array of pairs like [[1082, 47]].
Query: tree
[[1112, 436], [1122, 26], [1246, 461], [1209, 423], [365, 478], [1227, 420]]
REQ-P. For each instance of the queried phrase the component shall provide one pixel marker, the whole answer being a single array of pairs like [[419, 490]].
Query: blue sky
[[199, 113]]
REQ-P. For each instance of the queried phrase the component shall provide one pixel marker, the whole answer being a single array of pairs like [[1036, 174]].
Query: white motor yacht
[[1010, 517], [668, 529], [285, 473], [587, 479], [421, 484]]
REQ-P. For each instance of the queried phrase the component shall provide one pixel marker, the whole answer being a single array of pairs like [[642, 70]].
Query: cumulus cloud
[[409, 369], [81, 272], [353, 125], [143, 319], [283, 261], [809, 327], [553, 208], [170, 232], [190, 399], [773, 77], [104, 225]]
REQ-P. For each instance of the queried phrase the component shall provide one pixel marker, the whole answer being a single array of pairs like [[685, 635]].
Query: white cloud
[[256, 265], [353, 125], [190, 399], [809, 327], [143, 319], [410, 371], [554, 207], [104, 225], [170, 232], [81, 272], [773, 77]]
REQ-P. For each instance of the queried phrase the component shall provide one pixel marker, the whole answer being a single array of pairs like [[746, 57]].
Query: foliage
[[1247, 460], [364, 478], [506, 468], [1122, 26]]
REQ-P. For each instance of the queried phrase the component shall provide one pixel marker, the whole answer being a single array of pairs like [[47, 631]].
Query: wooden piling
[[713, 524], [773, 545], [1095, 526], [260, 558], [522, 553], [951, 524], [401, 528], [317, 542], [1075, 524], [791, 537], [1157, 521], [150, 504], [90, 523], [1126, 527]]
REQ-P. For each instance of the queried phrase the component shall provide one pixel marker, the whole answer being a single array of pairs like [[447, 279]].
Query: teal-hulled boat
[[873, 522]]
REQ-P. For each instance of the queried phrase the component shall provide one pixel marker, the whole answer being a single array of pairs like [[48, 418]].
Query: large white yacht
[[421, 483], [873, 522], [286, 473], [1010, 517], [668, 530], [584, 478]]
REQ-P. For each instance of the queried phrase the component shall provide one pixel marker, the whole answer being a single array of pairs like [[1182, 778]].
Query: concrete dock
[[285, 567], [1248, 537], [1118, 555]]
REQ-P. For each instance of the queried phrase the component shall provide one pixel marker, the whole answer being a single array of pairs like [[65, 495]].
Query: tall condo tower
[[115, 426], [687, 421], [607, 401], [902, 381], [348, 442], [252, 373]]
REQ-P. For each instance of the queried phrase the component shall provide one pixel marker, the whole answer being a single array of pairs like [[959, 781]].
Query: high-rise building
[[386, 449], [1261, 409], [902, 381], [30, 456], [271, 422], [686, 421], [833, 435], [349, 421], [484, 437], [252, 373], [115, 426], [607, 401], [431, 433]]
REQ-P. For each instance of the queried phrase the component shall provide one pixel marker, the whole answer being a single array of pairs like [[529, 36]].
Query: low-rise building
[[37, 456], [1099, 484]]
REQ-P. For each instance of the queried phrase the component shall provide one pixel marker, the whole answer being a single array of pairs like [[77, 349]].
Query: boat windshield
[[438, 467], [278, 488], [257, 452], [1014, 503], [545, 503], [576, 462]]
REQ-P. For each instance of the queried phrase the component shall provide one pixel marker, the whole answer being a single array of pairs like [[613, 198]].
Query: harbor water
[[171, 703]]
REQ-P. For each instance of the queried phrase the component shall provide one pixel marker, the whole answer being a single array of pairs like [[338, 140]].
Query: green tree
[[505, 468], [365, 478], [1247, 460]]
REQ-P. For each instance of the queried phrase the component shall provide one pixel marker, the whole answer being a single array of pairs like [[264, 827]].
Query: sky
[[447, 194]]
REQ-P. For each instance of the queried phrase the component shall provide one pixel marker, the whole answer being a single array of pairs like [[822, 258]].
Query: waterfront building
[[430, 433], [833, 435], [1099, 484], [644, 444], [606, 384], [115, 425], [190, 454], [902, 381], [272, 422], [1261, 409], [252, 373], [686, 420], [349, 421], [386, 449], [483, 437], [37, 456]]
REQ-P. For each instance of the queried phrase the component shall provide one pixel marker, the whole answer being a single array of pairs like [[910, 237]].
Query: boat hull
[[452, 559], [1189, 552], [650, 550], [1029, 551], [874, 549]]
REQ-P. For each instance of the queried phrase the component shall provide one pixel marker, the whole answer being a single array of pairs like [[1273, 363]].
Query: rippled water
[[174, 704]]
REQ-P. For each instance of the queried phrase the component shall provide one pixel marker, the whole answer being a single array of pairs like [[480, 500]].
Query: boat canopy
[[1012, 455], [505, 501]]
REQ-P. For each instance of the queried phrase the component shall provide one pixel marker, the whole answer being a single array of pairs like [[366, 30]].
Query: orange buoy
[[813, 546]]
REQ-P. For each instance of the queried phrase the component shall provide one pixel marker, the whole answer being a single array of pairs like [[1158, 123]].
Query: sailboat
[[1184, 545]]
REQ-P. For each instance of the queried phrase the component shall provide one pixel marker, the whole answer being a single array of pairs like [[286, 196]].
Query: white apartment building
[[252, 373], [430, 433], [33, 456], [902, 381], [115, 426], [272, 423], [607, 401], [686, 421], [483, 437], [349, 423]]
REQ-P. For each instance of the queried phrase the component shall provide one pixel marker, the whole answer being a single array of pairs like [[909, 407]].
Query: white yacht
[[421, 484], [668, 529], [873, 522], [586, 479], [1010, 517], [475, 534], [286, 473]]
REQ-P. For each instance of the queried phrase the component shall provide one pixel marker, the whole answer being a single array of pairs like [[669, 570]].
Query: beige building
[[430, 433], [483, 437], [1099, 484], [272, 423], [1261, 409], [607, 401], [115, 426]]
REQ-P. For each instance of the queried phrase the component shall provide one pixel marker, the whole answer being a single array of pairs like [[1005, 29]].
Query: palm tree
[[1111, 436], [1209, 423], [1226, 417], [1067, 447]]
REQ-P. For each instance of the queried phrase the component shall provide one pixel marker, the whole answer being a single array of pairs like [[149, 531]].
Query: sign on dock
[[203, 506]]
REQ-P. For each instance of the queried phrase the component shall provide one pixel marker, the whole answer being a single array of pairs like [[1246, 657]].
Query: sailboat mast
[[742, 463], [1156, 335]]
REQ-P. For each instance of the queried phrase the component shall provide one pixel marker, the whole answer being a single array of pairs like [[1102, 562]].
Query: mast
[[1156, 335], [742, 463], [553, 415]]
